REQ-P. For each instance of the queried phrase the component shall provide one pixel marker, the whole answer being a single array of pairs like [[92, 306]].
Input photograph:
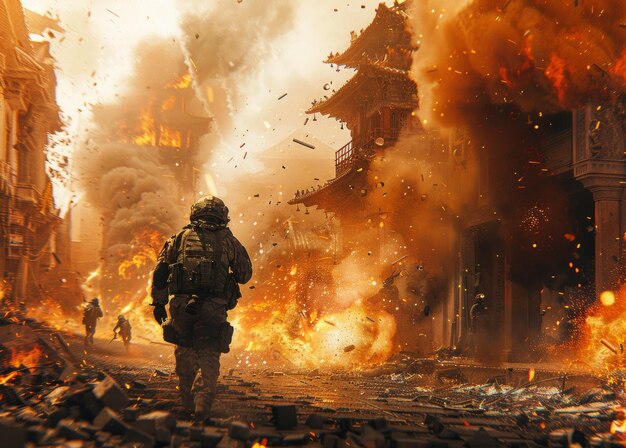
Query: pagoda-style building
[[376, 104]]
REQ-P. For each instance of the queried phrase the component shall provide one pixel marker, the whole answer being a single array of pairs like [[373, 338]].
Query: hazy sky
[[101, 40]]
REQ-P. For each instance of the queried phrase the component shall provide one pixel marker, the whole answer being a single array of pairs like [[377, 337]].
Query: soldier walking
[[201, 267], [91, 313], [123, 330]]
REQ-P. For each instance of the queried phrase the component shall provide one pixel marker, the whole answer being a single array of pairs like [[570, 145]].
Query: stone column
[[599, 163], [608, 204]]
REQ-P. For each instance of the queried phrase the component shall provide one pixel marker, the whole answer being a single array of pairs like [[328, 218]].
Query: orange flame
[[557, 74], [618, 426], [604, 330], [146, 245], [524, 69], [6, 378], [531, 374], [147, 136], [169, 137], [26, 358], [619, 69], [181, 83]]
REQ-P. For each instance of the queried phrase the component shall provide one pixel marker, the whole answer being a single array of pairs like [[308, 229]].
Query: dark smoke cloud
[[506, 73], [535, 54], [127, 185]]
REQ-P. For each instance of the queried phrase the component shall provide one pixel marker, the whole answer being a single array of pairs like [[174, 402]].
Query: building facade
[[538, 230], [31, 229]]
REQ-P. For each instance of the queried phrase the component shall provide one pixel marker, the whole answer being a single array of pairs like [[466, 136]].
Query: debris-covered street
[[59, 393]]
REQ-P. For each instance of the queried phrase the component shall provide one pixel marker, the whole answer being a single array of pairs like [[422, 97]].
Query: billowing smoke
[[511, 71], [535, 55], [498, 78], [139, 188], [226, 42]]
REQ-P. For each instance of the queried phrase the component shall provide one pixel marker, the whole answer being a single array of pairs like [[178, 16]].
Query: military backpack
[[195, 262]]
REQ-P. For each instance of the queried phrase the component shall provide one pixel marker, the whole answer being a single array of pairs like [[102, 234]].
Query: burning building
[[141, 171], [34, 240], [378, 106], [523, 208]]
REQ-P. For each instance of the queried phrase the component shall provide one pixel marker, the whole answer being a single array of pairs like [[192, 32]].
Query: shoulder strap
[[180, 239], [219, 245]]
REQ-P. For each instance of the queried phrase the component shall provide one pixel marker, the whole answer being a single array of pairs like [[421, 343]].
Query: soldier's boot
[[201, 413], [185, 369]]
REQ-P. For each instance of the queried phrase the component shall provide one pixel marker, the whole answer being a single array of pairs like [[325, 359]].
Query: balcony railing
[[348, 154], [343, 159]]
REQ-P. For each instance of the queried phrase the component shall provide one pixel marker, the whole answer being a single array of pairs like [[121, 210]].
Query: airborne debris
[[300, 142], [608, 345], [282, 96], [349, 348]]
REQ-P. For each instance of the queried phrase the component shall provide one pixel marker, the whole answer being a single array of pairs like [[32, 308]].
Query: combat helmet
[[209, 208], [95, 301], [121, 317]]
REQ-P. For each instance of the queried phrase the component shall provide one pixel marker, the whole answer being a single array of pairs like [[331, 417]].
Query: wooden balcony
[[354, 150]]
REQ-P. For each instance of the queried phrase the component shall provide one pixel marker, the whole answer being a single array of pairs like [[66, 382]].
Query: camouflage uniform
[[198, 351], [124, 330], [91, 314]]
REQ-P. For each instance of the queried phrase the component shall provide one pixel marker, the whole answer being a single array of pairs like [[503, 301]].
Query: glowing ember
[[531, 374], [607, 298], [6, 378], [618, 426]]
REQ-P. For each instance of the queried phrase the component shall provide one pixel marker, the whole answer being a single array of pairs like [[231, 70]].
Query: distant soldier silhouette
[[91, 314], [122, 329], [479, 316], [201, 267]]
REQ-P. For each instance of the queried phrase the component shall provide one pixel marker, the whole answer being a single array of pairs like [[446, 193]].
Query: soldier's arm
[[159, 276], [240, 262], [99, 312]]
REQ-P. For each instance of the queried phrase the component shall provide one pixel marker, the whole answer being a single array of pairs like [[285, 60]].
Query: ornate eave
[[361, 46], [340, 104]]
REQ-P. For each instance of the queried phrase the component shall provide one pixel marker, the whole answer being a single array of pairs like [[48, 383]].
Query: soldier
[[201, 267], [91, 314], [122, 329], [478, 316]]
